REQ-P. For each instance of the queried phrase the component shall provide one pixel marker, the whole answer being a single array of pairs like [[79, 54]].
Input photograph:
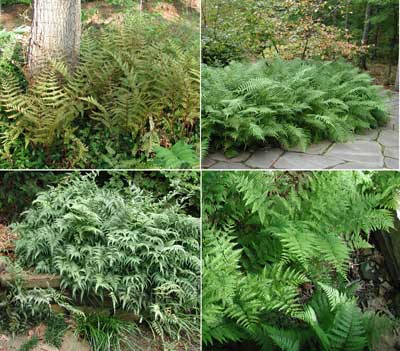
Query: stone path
[[377, 149]]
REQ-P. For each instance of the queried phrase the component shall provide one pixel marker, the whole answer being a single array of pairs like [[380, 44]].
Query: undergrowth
[[135, 89], [287, 103], [276, 252], [105, 333]]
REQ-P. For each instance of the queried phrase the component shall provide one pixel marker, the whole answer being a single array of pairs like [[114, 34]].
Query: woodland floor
[[96, 12], [376, 149]]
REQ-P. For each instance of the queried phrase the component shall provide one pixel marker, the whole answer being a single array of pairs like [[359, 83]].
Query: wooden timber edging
[[31, 280]]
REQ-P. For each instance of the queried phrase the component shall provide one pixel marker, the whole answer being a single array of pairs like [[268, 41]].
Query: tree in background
[[55, 33]]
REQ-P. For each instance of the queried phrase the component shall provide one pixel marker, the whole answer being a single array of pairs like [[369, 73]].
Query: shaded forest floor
[[13, 16]]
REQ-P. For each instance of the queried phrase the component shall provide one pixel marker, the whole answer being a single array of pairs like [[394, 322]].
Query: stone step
[[31, 280]]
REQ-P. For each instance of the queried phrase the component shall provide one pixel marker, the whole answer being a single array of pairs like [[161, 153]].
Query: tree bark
[[346, 22], [364, 40], [55, 33], [396, 84]]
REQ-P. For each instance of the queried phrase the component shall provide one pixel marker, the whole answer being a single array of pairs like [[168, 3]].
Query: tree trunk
[[55, 33], [396, 84], [393, 57], [376, 42], [364, 40], [346, 21]]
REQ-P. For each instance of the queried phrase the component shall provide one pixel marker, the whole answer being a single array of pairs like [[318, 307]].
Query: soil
[[70, 343], [376, 291], [379, 72], [98, 12], [7, 242]]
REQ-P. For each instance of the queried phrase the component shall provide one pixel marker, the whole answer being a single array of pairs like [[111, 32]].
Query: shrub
[[136, 87], [276, 252], [118, 244], [288, 103]]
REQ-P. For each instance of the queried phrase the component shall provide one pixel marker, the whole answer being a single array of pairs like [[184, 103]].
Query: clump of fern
[[287, 103], [136, 88], [120, 245], [22, 308], [276, 253]]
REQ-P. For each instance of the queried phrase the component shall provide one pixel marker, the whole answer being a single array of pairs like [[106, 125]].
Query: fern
[[118, 245], [136, 87], [180, 156], [287, 102], [276, 247]]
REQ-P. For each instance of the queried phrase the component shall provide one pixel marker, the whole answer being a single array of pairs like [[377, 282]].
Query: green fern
[[287, 102], [276, 247], [119, 245], [180, 156]]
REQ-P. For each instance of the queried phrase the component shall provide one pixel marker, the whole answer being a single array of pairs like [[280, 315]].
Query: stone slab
[[388, 138], [314, 149], [243, 156], [227, 165], [359, 165], [208, 162], [370, 135], [31, 280], [264, 159], [218, 156], [293, 160], [391, 163], [392, 152], [357, 151]]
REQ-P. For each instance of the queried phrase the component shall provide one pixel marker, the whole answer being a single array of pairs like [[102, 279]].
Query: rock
[[3, 264], [30, 280], [207, 163], [101, 311], [127, 316], [56, 309], [72, 343], [367, 271], [396, 304]]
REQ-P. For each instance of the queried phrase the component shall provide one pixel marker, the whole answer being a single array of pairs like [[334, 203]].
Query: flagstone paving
[[376, 149]]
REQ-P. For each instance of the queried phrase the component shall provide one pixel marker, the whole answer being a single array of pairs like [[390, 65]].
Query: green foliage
[[21, 308], [118, 244], [18, 190], [104, 333], [56, 328], [136, 87], [179, 156], [30, 344], [10, 55], [276, 252], [288, 103], [12, 2]]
